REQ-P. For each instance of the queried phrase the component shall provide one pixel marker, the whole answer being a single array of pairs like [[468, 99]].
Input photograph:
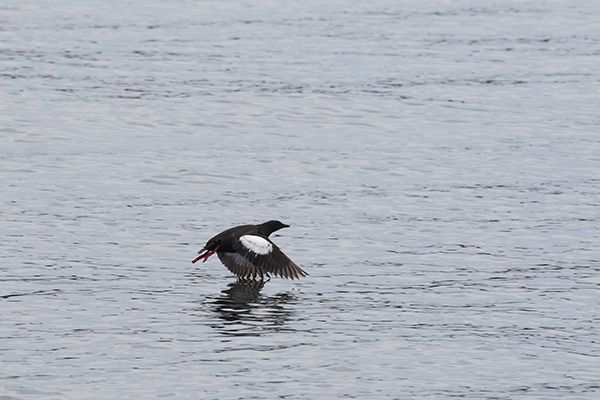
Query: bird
[[248, 253]]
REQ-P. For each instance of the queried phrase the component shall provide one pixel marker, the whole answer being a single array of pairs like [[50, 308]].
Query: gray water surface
[[438, 162]]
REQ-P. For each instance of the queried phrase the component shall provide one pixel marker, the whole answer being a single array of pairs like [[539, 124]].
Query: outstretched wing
[[257, 255], [240, 266]]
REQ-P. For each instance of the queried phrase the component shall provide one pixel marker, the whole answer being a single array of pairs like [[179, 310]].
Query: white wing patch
[[256, 244]]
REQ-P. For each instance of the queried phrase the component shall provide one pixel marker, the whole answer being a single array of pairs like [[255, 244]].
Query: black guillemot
[[247, 251]]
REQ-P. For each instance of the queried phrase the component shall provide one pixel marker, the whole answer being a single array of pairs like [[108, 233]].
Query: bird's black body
[[247, 251]]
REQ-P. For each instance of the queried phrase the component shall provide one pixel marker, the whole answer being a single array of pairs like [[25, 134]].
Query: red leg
[[209, 254]]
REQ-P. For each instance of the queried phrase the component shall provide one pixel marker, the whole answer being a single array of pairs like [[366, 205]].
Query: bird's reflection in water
[[243, 311], [241, 292]]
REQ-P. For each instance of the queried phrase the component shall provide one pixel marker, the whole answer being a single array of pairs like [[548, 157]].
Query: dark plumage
[[247, 251]]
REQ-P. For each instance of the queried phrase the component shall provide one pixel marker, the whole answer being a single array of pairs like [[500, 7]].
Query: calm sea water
[[438, 162]]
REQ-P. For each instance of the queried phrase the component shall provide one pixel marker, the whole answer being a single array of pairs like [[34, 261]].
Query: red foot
[[206, 255]]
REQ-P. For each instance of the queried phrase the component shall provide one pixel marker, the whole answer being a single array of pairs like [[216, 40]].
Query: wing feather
[[274, 262], [240, 266]]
